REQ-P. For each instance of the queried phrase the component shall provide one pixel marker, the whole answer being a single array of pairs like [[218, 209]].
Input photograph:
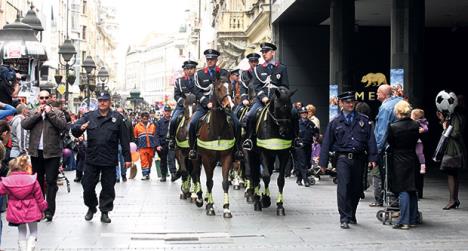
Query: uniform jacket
[[240, 92], [355, 137], [384, 118], [25, 200], [269, 75], [161, 131], [145, 135], [246, 78], [182, 87], [307, 131], [204, 83], [53, 125], [103, 135], [402, 138]]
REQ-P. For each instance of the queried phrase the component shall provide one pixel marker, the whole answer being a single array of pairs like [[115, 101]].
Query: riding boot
[[248, 143], [171, 134]]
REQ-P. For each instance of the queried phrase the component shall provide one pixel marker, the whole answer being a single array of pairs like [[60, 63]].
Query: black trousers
[[48, 170], [91, 178], [300, 161], [349, 186], [163, 154]]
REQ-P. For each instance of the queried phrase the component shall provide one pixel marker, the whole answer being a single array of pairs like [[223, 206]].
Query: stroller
[[392, 209], [316, 172], [63, 178]]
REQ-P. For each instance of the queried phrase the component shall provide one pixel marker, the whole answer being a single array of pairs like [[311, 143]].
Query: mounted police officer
[[240, 91], [204, 81], [182, 87], [350, 136], [266, 77], [105, 131]]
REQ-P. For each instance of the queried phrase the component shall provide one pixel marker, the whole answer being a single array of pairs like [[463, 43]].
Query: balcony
[[232, 22]]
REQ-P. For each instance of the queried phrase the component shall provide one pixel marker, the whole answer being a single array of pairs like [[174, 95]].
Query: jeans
[[408, 208]]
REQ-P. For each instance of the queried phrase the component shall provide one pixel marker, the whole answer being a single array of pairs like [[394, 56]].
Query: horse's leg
[[255, 176], [182, 168], [268, 162], [226, 163], [197, 195], [283, 158], [209, 164]]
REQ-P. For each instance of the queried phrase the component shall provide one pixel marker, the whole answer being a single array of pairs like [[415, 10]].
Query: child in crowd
[[25, 201], [418, 116]]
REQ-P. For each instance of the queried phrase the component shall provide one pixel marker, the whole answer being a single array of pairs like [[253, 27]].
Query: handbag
[[450, 162]]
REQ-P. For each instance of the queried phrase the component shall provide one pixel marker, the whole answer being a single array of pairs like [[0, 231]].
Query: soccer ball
[[446, 102]]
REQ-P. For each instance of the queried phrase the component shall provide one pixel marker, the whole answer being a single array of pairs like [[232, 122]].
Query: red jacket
[[25, 200]]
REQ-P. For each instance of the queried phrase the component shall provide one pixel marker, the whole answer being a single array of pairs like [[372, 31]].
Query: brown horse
[[216, 142], [189, 169]]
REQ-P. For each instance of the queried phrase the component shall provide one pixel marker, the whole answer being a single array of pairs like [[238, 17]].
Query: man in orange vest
[[145, 133]]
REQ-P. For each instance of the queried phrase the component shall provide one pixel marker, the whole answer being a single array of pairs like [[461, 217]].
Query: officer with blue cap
[[350, 136]]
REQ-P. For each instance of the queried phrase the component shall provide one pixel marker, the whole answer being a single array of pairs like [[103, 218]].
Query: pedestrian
[[403, 136], [307, 131], [19, 136], [145, 133], [311, 112], [183, 86], [121, 171], [46, 126], [5, 134], [454, 158], [384, 118], [161, 144], [105, 131], [25, 201], [9, 84], [349, 135], [418, 116]]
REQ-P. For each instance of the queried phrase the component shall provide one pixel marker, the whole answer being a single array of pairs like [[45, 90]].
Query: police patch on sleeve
[[114, 120], [278, 76]]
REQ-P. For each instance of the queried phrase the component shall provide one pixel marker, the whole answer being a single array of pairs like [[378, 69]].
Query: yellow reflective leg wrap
[[279, 199], [257, 191], [226, 198], [197, 187], [210, 198], [267, 191], [247, 184]]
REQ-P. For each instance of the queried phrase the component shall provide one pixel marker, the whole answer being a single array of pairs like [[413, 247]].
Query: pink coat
[[25, 200]]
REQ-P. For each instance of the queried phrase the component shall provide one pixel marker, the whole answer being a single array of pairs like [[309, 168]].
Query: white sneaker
[[22, 245], [31, 244]]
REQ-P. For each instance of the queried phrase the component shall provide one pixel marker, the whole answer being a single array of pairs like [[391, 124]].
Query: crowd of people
[[37, 140]]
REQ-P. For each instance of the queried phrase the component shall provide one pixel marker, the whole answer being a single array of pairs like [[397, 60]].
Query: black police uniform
[[162, 127], [307, 132], [104, 134], [352, 139], [182, 87], [243, 91]]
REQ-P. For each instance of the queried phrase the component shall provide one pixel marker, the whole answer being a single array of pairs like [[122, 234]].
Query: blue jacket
[[307, 131], [384, 118], [354, 137], [7, 111], [161, 131]]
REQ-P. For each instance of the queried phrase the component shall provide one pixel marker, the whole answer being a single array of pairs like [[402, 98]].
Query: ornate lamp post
[[103, 77], [67, 51], [89, 65]]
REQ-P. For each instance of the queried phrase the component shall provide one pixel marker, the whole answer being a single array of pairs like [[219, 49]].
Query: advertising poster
[[333, 101], [397, 80]]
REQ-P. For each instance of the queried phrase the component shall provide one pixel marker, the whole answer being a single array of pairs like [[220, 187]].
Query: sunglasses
[[47, 97]]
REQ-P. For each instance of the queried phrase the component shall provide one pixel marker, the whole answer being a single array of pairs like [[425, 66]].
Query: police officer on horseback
[[267, 77], [182, 87], [204, 82], [350, 136], [240, 91]]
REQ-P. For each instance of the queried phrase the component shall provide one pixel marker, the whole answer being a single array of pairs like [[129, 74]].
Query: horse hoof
[[280, 212], [266, 201], [182, 197], [257, 206], [199, 203], [249, 199], [227, 215], [236, 187], [210, 212], [193, 200]]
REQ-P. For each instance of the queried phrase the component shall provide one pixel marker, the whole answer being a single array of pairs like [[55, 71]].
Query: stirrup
[[247, 145], [193, 154]]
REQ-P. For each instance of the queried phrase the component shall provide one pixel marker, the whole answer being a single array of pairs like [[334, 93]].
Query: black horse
[[274, 139]]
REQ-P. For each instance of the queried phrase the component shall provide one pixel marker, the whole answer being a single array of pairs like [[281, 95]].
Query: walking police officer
[[268, 76], [182, 87], [105, 130], [350, 136], [307, 131], [204, 81]]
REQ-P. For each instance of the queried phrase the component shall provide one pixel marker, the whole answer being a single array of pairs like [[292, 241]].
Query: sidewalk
[[149, 215]]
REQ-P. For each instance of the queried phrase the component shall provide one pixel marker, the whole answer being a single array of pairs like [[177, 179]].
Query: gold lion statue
[[374, 79]]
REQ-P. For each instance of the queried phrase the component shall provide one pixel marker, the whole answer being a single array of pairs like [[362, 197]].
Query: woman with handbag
[[454, 158]]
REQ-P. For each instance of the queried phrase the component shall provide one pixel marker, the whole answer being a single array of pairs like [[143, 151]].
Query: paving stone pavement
[[149, 215]]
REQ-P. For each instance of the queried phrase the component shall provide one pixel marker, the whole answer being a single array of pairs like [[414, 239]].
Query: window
[[83, 56], [84, 6], [83, 33]]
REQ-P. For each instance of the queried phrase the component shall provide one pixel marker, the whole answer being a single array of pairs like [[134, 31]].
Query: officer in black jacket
[[351, 137], [182, 87], [105, 130], [267, 77], [307, 132], [204, 81]]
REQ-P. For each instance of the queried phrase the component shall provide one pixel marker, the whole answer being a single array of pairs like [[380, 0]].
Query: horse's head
[[222, 94], [190, 104], [281, 110]]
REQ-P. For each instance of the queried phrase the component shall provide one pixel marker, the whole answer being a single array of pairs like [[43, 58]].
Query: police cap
[[211, 54], [302, 110], [103, 96], [253, 56], [347, 96], [189, 64], [167, 108], [264, 47], [235, 71]]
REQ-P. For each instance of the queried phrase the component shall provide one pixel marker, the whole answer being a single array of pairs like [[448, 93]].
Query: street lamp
[[32, 20], [103, 76], [67, 51], [89, 65]]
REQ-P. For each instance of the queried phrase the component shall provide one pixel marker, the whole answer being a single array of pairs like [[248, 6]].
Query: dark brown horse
[[190, 170], [216, 142]]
